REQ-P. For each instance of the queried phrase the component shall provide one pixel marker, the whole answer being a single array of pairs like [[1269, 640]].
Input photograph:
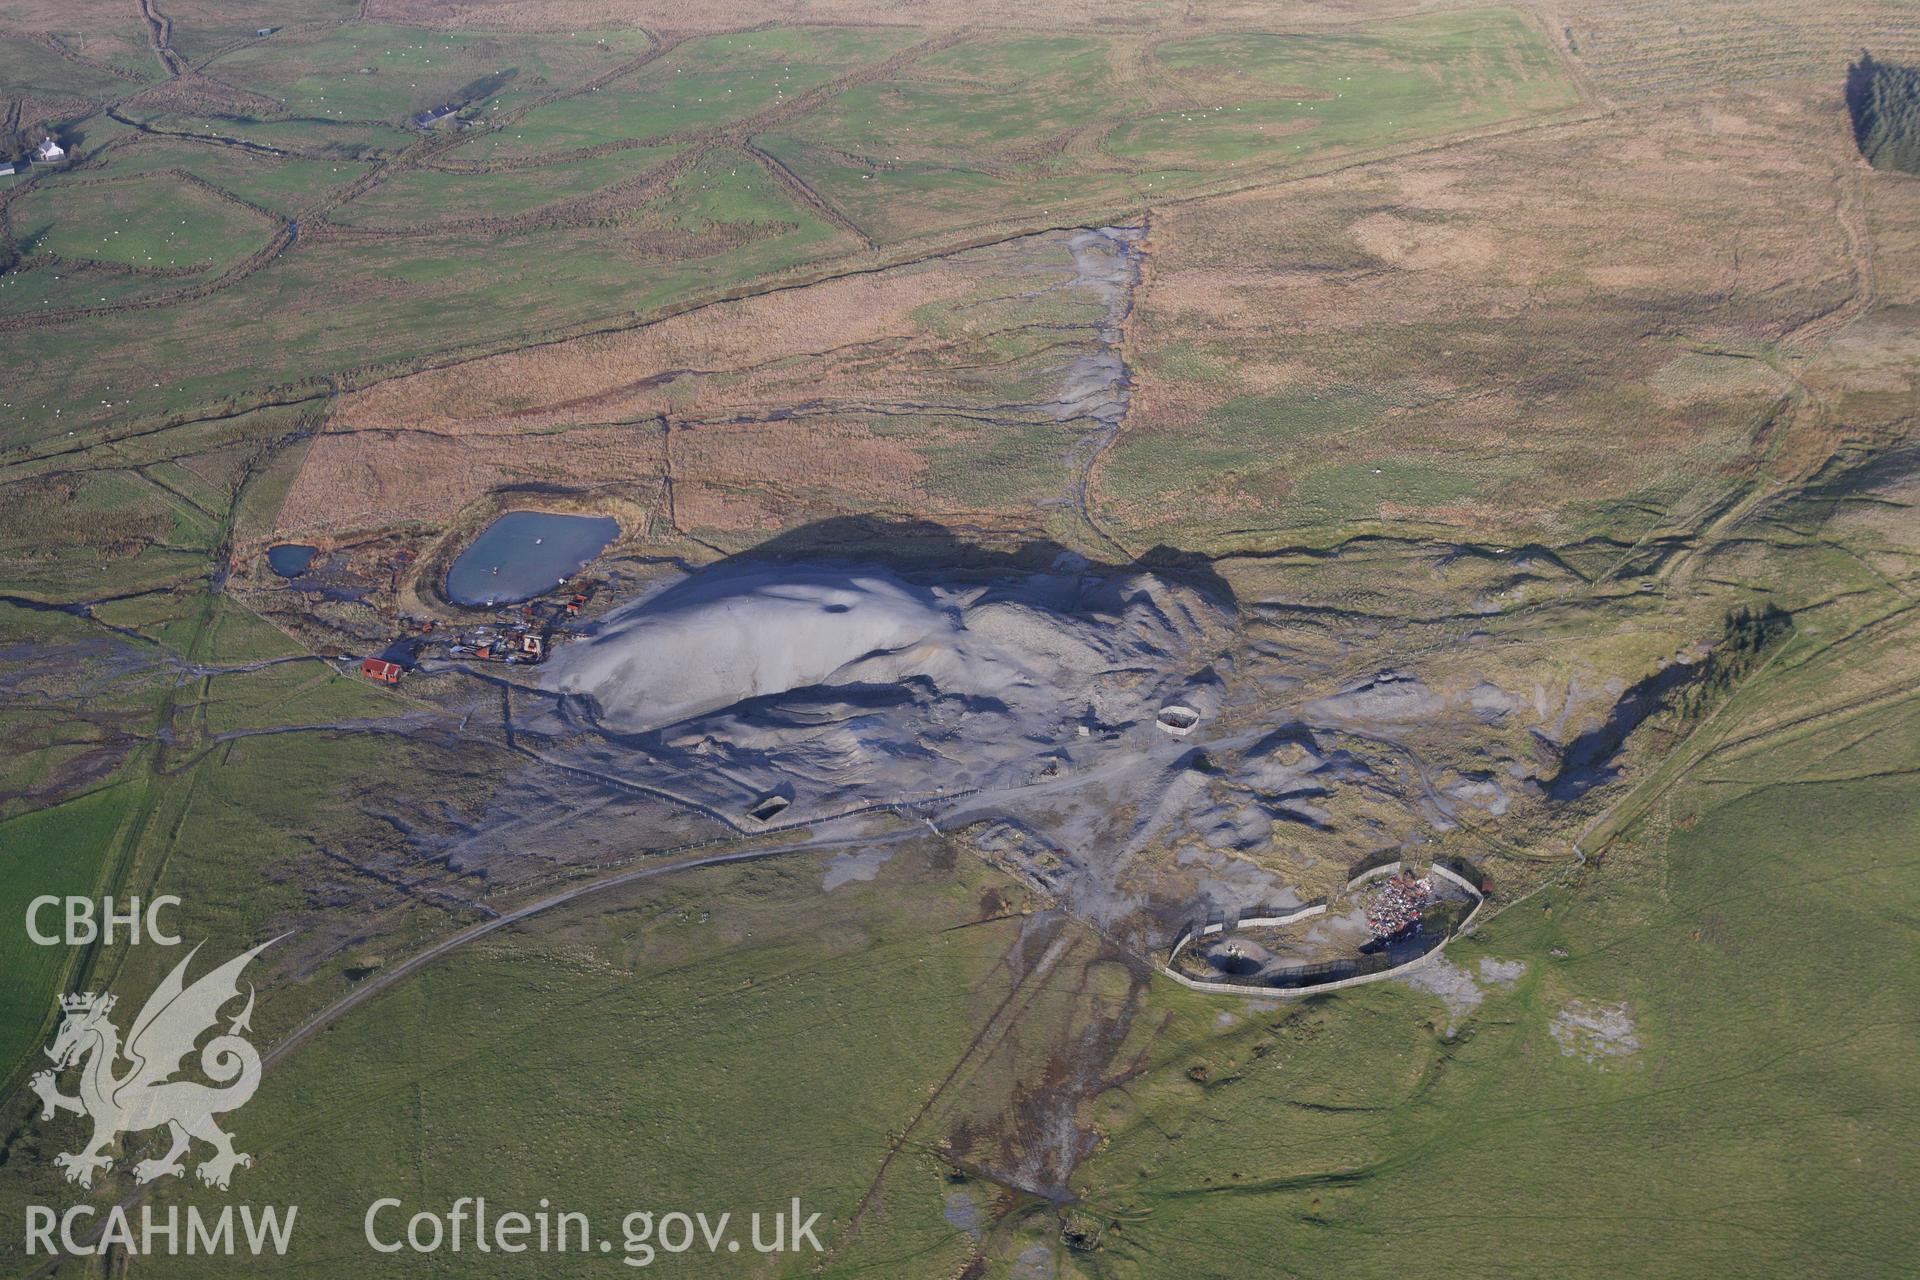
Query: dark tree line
[[1746, 636], [18, 144], [1885, 102]]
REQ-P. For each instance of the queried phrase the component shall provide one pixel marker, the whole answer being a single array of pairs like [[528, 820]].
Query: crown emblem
[[88, 1002]]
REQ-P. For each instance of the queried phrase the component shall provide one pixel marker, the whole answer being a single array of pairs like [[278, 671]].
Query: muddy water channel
[[525, 553]]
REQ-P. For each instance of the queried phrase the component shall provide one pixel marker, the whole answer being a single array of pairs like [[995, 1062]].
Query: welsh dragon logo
[[144, 1095]]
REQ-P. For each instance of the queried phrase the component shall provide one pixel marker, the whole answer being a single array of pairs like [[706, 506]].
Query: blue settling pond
[[290, 559], [525, 553]]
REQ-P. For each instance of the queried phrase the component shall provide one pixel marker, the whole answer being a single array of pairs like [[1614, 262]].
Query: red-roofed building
[[381, 670]]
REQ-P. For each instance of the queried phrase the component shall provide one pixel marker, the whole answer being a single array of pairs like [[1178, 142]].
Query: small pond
[[290, 559], [525, 553]]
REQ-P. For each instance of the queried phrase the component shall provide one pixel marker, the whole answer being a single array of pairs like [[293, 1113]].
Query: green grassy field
[[1040, 122], [101, 534], [284, 185], [782, 1033], [335, 141], [964, 135], [902, 199], [201, 28], [57, 851], [25, 68], [385, 73], [730, 1010], [973, 99], [145, 222], [701, 84]]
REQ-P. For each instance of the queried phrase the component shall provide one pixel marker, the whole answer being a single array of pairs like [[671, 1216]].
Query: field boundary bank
[[923, 248], [910, 252], [1319, 988]]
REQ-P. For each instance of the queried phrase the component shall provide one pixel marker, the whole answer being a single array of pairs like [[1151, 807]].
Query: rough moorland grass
[[418, 198], [1266, 99], [94, 534], [1240, 441], [1294, 460], [1370, 491], [997, 123], [341, 140], [973, 466], [908, 197], [202, 27], [1575, 418], [926, 132], [243, 831], [303, 693], [236, 635], [974, 98], [49, 284], [964, 136]]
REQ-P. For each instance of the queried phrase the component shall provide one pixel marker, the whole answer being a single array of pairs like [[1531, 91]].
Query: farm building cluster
[[48, 152], [524, 635]]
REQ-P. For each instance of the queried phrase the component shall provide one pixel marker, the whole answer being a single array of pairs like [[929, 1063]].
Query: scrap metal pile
[[1395, 903]]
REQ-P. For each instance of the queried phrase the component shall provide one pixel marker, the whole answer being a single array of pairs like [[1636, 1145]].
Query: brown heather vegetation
[[1522, 334], [196, 94], [861, 394], [731, 479], [676, 365], [724, 15], [376, 479], [1566, 318], [44, 111], [1641, 49], [105, 22]]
